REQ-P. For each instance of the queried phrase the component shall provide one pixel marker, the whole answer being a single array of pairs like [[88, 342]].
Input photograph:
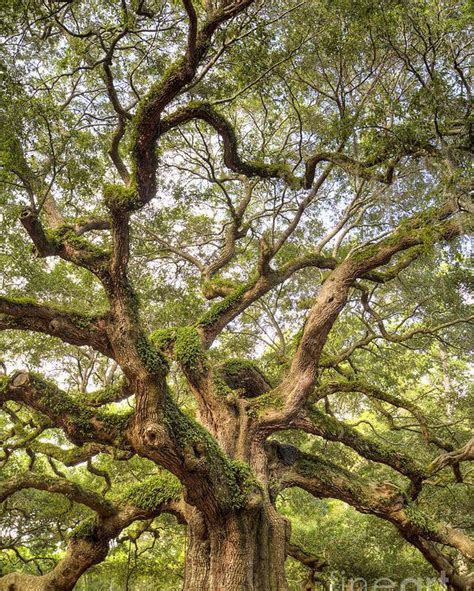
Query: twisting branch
[[314, 564], [71, 490], [89, 543], [79, 422], [75, 455], [453, 458], [148, 117], [329, 428], [70, 327], [65, 243], [333, 296], [322, 478], [193, 25], [207, 112]]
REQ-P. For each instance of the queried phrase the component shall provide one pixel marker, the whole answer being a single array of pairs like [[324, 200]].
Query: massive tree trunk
[[236, 538], [243, 551]]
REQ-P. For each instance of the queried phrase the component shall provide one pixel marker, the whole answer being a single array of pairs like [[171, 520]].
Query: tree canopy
[[236, 305]]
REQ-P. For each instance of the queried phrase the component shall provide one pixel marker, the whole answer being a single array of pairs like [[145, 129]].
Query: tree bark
[[80, 556], [244, 551]]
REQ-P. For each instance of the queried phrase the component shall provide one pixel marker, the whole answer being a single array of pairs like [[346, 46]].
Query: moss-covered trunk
[[244, 551]]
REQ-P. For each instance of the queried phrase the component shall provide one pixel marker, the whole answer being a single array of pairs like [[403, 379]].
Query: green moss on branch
[[121, 198], [184, 343], [152, 492], [163, 338], [66, 234], [219, 308], [86, 530], [82, 420], [188, 349], [152, 358], [232, 484]]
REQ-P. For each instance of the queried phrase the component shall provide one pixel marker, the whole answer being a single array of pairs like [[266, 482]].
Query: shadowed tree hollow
[[234, 245]]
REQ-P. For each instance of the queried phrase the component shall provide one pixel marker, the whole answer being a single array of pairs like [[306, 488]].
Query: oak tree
[[234, 263]]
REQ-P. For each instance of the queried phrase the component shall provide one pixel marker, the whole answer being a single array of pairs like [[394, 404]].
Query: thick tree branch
[[313, 563], [91, 225], [79, 422], [385, 500], [71, 490], [75, 455], [89, 543], [193, 26], [370, 391], [332, 298], [207, 112], [65, 243], [337, 286], [147, 119], [318, 423], [70, 327], [455, 457], [240, 298], [443, 564]]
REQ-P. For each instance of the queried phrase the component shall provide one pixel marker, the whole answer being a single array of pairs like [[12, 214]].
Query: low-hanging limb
[[70, 327], [314, 564], [89, 542], [329, 428], [67, 488], [214, 483], [292, 467]]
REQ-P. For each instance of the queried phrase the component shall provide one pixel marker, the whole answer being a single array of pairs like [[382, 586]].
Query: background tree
[[248, 276]]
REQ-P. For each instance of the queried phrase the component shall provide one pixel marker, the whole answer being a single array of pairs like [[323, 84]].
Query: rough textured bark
[[245, 551]]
